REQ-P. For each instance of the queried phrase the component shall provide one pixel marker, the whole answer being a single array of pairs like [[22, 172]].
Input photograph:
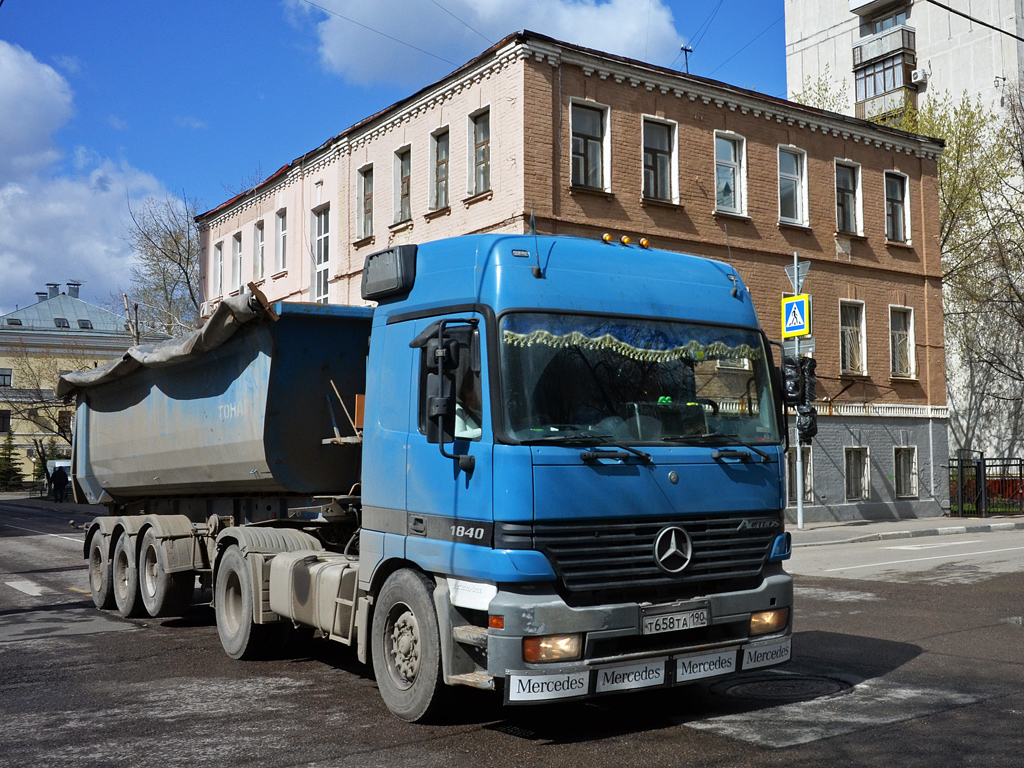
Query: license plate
[[674, 622]]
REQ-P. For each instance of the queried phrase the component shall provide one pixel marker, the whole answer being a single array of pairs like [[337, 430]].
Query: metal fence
[[981, 486]]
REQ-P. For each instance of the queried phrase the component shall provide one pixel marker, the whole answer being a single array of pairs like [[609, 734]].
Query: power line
[[763, 31], [485, 37], [976, 21], [378, 32], [699, 35]]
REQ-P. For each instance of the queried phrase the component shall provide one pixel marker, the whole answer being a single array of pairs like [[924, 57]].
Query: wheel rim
[[402, 646], [232, 602], [150, 571], [121, 573], [96, 569]]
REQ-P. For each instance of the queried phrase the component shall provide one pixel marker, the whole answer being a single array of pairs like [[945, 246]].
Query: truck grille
[[599, 557]]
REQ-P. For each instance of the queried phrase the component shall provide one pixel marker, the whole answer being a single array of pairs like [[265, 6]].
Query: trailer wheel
[[241, 637], [163, 593], [124, 571], [100, 582], [406, 646]]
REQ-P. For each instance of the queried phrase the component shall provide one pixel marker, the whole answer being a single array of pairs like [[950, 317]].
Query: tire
[[163, 593], [232, 593], [100, 580], [125, 578], [406, 646]]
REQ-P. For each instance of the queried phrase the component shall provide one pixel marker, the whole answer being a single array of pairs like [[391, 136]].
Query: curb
[[947, 531]]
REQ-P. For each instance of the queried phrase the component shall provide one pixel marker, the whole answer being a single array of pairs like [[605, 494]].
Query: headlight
[[766, 622], [537, 650]]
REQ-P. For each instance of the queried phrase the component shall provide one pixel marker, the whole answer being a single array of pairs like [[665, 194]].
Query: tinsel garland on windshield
[[693, 350]]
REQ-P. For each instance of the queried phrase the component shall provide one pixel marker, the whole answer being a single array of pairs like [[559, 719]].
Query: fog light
[[552, 648], [766, 622]]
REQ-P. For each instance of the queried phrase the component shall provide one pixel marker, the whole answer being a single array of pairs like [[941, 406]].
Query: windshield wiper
[[719, 439], [585, 439], [733, 440]]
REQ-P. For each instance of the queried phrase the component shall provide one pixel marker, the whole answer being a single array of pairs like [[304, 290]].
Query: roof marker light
[[625, 240], [644, 242], [606, 237]]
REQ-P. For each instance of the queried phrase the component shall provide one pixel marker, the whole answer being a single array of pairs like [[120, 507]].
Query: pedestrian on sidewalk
[[59, 481]]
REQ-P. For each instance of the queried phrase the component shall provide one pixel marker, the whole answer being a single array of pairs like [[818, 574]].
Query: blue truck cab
[[576, 449]]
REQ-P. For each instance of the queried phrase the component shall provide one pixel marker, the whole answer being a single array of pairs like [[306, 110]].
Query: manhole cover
[[782, 688]]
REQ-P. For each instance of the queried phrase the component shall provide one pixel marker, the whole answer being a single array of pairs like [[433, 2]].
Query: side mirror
[[440, 424]]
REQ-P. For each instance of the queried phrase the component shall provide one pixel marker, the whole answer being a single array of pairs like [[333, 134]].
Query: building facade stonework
[[584, 143]]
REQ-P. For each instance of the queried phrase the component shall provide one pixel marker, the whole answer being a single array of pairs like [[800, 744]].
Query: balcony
[[886, 105], [901, 39], [865, 7]]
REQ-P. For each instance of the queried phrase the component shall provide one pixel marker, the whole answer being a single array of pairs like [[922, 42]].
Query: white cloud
[[349, 47], [187, 121], [56, 227]]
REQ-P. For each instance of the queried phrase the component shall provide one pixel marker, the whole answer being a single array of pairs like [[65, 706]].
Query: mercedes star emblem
[[672, 549]]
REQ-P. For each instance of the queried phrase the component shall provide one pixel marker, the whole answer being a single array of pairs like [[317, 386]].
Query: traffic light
[[792, 380], [806, 423], [810, 379]]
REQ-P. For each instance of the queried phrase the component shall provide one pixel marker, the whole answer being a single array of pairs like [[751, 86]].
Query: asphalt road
[[902, 657]]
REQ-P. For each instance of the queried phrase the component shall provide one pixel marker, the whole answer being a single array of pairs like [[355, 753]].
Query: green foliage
[[11, 476], [824, 92]]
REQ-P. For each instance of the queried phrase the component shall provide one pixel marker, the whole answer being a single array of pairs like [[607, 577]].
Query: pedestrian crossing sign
[[796, 316]]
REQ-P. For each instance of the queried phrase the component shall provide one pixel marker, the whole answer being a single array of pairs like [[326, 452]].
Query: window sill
[[907, 246], [478, 197], [592, 191], [363, 241], [437, 213], [793, 225], [655, 202], [259, 281], [730, 215], [279, 275], [905, 379], [401, 226], [854, 375], [851, 236]]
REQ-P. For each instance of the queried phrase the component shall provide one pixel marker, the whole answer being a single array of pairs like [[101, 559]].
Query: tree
[[10, 467], [165, 277], [824, 92]]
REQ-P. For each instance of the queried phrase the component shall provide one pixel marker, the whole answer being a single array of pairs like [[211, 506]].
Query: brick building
[[588, 142]]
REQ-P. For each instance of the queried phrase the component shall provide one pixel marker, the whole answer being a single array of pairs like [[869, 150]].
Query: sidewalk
[[81, 512], [818, 534]]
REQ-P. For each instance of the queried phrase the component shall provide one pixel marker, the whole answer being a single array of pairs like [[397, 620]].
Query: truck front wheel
[[125, 573], [100, 584], [163, 593], [406, 646], [241, 637]]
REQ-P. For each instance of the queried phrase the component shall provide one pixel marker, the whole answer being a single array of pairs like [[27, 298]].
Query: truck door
[[449, 502]]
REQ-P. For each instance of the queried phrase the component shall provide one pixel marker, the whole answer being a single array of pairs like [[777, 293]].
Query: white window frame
[[863, 338], [438, 201], [397, 184], [808, 467], [606, 143], [320, 237], [362, 231], [281, 237], [739, 166], [914, 491], [801, 219], [673, 148], [866, 475], [6, 374], [472, 188], [907, 240], [858, 206], [259, 251], [911, 344], [236, 262], [218, 269]]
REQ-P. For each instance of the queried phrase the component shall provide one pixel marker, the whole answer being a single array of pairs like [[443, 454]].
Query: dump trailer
[[543, 466]]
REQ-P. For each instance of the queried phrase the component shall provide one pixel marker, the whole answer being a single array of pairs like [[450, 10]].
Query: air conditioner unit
[[918, 76]]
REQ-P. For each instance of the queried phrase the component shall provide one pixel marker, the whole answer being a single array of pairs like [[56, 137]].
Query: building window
[[14, 321], [857, 480], [792, 186], [729, 173], [905, 462], [807, 472], [851, 338], [888, 22], [5, 377], [218, 269], [403, 173], [282, 240], [847, 198], [658, 160], [439, 170], [364, 203], [587, 147], [901, 341], [61, 322], [481, 163], [236, 262], [896, 229], [258, 252], [881, 77], [85, 325], [5, 421], [64, 422], [321, 253]]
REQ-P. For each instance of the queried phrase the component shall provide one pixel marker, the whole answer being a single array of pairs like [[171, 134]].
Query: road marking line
[[79, 589], [922, 559], [935, 546], [28, 587], [44, 533]]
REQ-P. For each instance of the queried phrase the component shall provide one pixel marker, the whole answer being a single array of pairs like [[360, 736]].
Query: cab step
[[467, 634]]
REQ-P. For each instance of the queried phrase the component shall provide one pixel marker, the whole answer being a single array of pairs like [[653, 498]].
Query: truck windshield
[[572, 377]]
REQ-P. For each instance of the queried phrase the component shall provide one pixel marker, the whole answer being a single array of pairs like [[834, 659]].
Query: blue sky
[[106, 102]]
